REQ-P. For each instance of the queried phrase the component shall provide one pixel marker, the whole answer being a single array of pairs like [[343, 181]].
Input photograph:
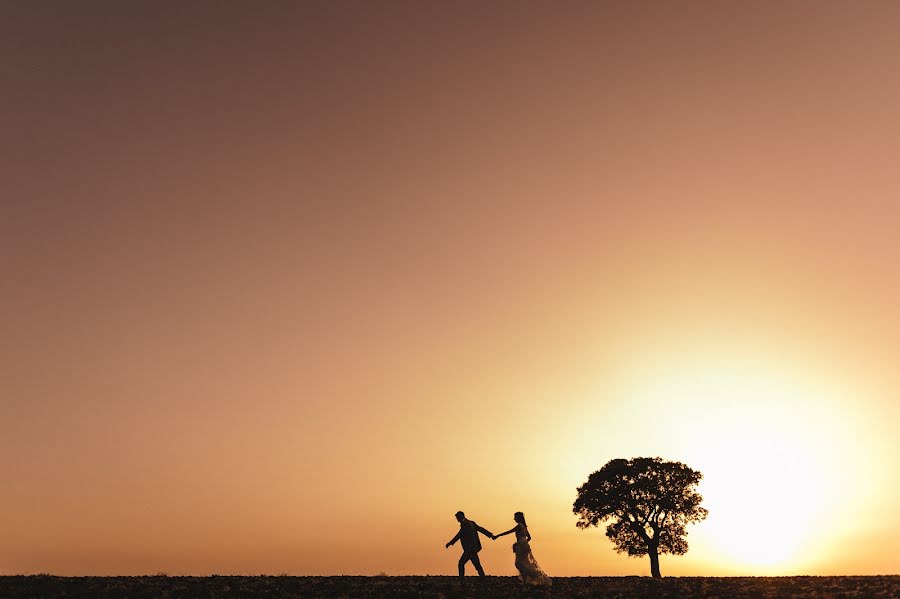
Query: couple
[[529, 571]]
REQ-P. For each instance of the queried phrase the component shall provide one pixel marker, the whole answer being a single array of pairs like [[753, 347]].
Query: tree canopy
[[650, 502]]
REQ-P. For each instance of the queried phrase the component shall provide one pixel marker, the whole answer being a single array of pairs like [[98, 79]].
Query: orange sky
[[286, 285]]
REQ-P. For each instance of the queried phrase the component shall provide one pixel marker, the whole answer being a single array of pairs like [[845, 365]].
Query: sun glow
[[766, 493], [777, 475]]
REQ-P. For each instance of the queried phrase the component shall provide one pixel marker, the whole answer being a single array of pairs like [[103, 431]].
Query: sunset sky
[[286, 284]]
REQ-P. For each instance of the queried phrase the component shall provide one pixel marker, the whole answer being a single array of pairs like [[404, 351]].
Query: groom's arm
[[454, 539], [484, 531]]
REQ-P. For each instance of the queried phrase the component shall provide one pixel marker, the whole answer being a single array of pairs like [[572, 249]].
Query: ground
[[445, 587]]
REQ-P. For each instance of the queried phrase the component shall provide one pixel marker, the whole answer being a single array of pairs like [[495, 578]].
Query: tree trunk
[[654, 562]]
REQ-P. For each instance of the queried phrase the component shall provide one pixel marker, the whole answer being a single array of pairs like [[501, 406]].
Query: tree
[[650, 502]]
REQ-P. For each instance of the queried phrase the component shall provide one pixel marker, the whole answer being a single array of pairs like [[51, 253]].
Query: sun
[[770, 447], [768, 495]]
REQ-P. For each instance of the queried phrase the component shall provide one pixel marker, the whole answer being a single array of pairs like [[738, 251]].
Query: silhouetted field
[[137, 587]]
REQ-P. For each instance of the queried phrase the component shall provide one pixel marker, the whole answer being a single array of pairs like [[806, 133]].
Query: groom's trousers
[[470, 556]]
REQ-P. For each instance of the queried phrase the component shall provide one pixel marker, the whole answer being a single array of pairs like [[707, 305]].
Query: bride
[[529, 571]]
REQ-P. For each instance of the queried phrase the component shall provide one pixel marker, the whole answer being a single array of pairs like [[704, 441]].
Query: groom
[[471, 544]]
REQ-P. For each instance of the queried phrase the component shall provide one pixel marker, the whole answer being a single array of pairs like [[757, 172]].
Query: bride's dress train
[[529, 570]]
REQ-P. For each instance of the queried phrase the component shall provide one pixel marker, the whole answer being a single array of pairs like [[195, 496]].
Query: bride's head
[[520, 518]]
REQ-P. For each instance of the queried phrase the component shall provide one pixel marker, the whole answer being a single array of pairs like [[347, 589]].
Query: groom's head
[[460, 516]]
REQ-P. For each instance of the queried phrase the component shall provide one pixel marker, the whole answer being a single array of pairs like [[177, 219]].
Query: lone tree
[[650, 502]]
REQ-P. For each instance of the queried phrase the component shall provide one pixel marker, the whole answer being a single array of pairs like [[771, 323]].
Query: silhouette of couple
[[528, 568]]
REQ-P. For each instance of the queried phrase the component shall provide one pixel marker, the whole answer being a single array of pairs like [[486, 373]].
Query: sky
[[286, 284]]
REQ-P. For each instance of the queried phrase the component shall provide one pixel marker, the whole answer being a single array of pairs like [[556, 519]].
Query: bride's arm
[[513, 529]]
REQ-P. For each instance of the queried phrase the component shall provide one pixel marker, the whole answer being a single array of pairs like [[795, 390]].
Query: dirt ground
[[137, 587]]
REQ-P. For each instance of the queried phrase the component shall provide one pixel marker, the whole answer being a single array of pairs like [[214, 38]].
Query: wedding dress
[[529, 570]]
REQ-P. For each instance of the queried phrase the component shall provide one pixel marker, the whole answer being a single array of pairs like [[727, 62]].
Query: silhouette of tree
[[650, 501]]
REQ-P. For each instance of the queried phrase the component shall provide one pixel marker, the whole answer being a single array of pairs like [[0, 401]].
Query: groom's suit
[[471, 544]]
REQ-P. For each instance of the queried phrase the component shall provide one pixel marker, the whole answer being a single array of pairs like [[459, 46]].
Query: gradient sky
[[285, 285]]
